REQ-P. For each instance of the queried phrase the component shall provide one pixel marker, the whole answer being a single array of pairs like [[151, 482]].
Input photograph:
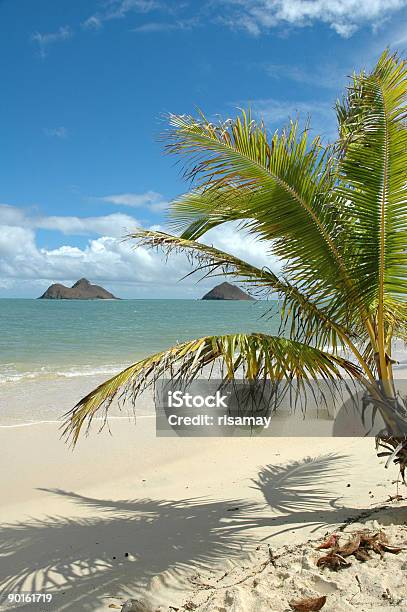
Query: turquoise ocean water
[[47, 339]]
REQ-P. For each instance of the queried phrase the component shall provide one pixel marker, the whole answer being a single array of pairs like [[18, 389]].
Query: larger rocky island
[[226, 291], [81, 290]]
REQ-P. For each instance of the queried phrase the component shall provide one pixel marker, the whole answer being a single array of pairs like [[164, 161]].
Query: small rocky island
[[226, 291], [81, 290]]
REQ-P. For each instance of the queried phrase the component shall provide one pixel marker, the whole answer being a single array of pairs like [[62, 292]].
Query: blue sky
[[86, 86]]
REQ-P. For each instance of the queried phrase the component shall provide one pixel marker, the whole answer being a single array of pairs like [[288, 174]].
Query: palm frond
[[281, 188], [257, 356], [373, 178], [395, 450], [302, 318]]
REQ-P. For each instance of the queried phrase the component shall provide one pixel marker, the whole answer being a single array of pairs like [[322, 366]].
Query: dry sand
[[132, 515], [271, 578]]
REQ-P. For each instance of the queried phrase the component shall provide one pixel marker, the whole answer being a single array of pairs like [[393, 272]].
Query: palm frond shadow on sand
[[304, 492], [175, 537]]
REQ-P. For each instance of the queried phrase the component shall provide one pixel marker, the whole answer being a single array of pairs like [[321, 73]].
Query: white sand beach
[[130, 515]]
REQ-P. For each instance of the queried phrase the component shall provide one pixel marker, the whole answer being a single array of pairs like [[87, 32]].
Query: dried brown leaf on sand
[[362, 555], [377, 542], [330, 542], [362, 543], [333, 561], [350, 547], [309, 604]]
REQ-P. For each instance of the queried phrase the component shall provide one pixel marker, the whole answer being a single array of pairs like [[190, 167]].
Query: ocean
[[51, 339], [52, 353]]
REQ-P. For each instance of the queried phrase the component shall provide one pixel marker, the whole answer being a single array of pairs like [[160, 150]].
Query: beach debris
[[333, 561], [330, 542], [396, 498], [395, 451], [309, 604], [360, 546], [136, 605], [351, 547], [271, 556], [379, 543], [190, 605]]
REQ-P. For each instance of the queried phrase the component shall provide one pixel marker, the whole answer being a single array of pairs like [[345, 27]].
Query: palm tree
[[336, 215]]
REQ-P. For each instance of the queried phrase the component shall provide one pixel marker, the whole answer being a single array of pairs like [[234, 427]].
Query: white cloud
[[344, 16], [45, 40], [11, 215], [27, 268], [118, 9], [94, 22], [150, 199], [16, 241], [166, 26], [58, 132], [228, 238], [116, 224]]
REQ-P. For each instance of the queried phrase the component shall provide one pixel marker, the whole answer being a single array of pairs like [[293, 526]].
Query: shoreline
[[60, 421], [47, 400]]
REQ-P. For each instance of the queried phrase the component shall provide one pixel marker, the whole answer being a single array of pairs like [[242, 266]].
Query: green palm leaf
[[373, 177], [302, 318], [283, 190], [280, 189], [256, 356]]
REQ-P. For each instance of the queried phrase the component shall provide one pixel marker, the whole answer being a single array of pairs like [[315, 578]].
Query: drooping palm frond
[[256, 356], [211, 261], [302, 318]]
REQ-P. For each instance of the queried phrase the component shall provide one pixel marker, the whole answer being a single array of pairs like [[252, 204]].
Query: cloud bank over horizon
[[106, 259]]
